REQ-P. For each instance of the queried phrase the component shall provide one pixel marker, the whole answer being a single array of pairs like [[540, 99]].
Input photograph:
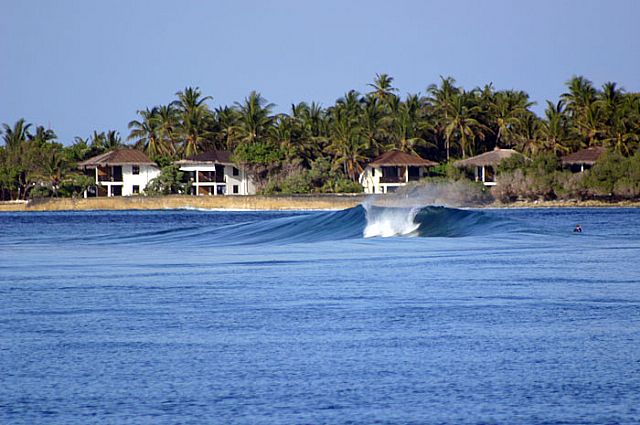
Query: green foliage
[[170, 181], [281, 151], [509, 165], [260, 153], [40, 192]]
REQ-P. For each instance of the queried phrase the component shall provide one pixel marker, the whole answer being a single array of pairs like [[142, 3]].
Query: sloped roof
[[118, 157], [397, 158], [584, 156], [490, 158], [213, 157]]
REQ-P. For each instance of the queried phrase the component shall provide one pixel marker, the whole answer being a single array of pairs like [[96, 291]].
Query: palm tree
[[146, 133], [374, 122], [168, 122], [112, 140], [195, 118], [554, 130], [461, 122], [347, 143], [14, 137], [54, 169], [42, 136], [526, 136], [226, 120], [408, 125], [506, 109], [382, 88], [254, 118], [442, 98]]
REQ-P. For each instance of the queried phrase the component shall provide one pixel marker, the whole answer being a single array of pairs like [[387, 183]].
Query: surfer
[[577, 229]]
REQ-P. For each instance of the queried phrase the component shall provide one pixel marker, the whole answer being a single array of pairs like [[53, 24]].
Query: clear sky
[[84, 65]]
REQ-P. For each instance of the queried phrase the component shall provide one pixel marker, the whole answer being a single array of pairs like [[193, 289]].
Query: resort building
[[120, 172], [485, 165], [583, 159], [392, 170], [214, 173]]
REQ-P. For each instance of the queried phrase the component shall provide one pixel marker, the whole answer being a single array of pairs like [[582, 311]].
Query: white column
[[483, 174], [108, 191], [197, 181]]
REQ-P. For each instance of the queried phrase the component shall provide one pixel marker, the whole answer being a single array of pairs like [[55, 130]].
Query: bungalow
[[121, 172], [485, 165], [214, 173], [392, 170], [583, 159]]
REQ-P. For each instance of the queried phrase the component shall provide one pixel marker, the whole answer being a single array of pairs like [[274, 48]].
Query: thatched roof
[[397, 158], [209, 157], [491, 158], [117, 157], [584, 156]]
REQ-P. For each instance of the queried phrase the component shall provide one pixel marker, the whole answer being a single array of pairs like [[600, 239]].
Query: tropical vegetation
[[311, 148]]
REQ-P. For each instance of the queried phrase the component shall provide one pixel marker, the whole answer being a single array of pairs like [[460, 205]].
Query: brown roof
[[395, 158], [219, 157], [491, 158], [584, 156], [118, 157]]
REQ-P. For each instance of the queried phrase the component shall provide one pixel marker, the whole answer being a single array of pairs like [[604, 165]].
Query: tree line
[[312, 148]]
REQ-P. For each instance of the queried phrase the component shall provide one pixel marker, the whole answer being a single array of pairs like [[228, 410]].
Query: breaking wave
[[363, 221]]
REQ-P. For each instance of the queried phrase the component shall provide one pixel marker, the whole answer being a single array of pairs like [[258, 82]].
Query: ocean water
[[438, 315]]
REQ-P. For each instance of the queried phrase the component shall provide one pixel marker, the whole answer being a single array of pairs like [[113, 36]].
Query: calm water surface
[[262, 317]]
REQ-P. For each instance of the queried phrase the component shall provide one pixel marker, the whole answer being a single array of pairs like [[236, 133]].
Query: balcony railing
[[392, 179]]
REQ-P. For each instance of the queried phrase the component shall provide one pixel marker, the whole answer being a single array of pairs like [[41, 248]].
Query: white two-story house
[[121, 172], [392, 170], [214, 173]]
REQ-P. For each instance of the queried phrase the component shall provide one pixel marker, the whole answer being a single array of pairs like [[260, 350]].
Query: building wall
[[370, 180], [245, 185], [147, 173]]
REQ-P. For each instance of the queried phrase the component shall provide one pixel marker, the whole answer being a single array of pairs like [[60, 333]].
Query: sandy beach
[[282, 203]]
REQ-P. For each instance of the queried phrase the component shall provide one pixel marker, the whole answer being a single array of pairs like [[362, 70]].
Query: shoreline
[[256, 203]]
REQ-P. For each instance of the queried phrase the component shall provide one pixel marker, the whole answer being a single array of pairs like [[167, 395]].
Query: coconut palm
[[145, 133], [408, 125], [254, 119], [168, 122], [382, 88], [112, 140], [348, 144], [15, 136], [54, 169], [194, 119], [506, 110], [462, 124], [554, 129], [442, 99]]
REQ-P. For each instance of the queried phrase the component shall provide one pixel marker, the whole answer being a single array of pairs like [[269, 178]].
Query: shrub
[[169, 181]]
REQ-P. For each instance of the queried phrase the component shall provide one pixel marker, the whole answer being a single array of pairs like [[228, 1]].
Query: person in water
[[578, 229]]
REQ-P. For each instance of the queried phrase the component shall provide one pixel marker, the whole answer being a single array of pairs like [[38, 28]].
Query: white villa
[[392, 170], [485, 165], [121, 172], [214, 173]]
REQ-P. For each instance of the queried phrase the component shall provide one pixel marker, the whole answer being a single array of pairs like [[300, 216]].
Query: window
[[236, 172], [236, 189], [135, 169], [373, 172], [221, 190], [136, 189]]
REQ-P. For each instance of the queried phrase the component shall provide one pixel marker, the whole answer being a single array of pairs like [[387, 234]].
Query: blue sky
[[84, 65]]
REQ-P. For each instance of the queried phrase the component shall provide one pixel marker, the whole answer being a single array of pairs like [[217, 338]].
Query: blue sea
[[369, 315]]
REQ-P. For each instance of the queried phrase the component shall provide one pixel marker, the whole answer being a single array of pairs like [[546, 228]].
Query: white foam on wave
[[388, 222]]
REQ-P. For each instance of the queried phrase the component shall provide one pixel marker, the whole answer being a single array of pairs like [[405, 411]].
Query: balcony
[[392, 179]]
